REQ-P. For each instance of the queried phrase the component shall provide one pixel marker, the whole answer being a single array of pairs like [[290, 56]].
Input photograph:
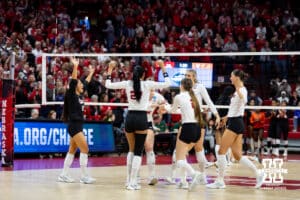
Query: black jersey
[[75, 104]]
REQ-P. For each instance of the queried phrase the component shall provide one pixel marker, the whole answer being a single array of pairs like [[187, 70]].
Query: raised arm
[[75, 67], [108, 84], [166, 83]]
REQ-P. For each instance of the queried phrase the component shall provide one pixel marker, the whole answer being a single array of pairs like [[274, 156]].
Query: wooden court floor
[[41, 184]]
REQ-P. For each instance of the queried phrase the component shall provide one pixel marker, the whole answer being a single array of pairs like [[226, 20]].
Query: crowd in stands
[[31, 27]]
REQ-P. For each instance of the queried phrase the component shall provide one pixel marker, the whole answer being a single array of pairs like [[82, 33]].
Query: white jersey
[[154, 101], [202, 94], [184, 102], [237, 105], [146, 86]]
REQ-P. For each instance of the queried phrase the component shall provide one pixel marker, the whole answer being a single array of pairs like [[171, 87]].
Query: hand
[[112, 64], [75, 61], [218, 122], [161, 64]]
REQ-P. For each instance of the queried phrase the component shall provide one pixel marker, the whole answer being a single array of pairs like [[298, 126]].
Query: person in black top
[[73, 116]]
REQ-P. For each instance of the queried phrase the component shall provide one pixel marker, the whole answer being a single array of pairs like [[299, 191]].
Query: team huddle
[[142, 101]]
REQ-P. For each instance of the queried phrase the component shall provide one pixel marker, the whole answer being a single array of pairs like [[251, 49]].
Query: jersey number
[[132, 95]]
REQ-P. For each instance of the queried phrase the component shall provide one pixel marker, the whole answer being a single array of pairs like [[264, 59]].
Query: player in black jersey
[[73, 116]]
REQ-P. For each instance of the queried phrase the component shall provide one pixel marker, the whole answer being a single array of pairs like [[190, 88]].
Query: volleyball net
[[268, 72]]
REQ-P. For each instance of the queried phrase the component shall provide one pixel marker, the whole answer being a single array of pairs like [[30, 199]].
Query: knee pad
[[139, 144]]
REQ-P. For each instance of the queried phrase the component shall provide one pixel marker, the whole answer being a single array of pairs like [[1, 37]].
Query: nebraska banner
[[7, 122]]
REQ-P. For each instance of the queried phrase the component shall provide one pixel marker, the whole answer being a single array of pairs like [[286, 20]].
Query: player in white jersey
[[190, 132], [136, 126], [201, 94], [156, 99], [233, 135]]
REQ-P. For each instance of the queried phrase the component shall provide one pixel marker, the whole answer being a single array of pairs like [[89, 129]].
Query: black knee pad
[[139, 144]]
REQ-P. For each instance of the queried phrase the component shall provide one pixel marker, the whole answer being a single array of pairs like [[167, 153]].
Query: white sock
[[246, 162], [181, 174], [136, 163], [151, 163], [83, 161], [129, 165], [221, 162], [201, 160], [228, 155], [217, 147], [67, 163], [186, 166], [174, 164]]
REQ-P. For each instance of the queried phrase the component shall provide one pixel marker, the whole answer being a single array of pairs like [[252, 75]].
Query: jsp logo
[[273, 170]]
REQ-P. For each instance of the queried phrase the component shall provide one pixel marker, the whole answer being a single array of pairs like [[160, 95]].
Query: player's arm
[[210, 104], [108, 84], [166, 83]]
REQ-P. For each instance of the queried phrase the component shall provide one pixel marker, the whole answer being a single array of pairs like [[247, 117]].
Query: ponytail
[[65, 115], [197, 110], [187, 84], [138, 73]]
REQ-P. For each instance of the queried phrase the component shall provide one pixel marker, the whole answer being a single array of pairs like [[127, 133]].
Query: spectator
[[161, 30], [52, 115], [205, 31], [110, 34], [296, 119], [253, 96], [158, 46], [257, 120], [261, 31], [210, 132], [283, 97], [35, 114], [284, 86]]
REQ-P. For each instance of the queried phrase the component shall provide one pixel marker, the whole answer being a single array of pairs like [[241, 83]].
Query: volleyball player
[[192, 122], [73, 116], [233, 135], [136, 126], [201, 94], [155, 100], [224, 99]]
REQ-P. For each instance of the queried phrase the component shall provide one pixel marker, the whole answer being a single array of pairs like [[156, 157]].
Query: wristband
[[165, 74]]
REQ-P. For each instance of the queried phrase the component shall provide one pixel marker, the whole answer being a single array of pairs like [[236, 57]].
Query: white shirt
[[202, 94], [184, 102], [155, 100], [237, 105], [146, 86]]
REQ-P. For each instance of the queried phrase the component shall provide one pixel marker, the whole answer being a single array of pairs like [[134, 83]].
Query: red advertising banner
[[7, 125]]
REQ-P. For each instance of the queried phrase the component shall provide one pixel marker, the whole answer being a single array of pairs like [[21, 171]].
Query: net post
[[44, 79], [8, 116]]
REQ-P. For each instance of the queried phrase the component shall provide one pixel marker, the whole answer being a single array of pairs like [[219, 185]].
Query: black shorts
[[74, 128], [190, 133], [236, 124], [150, 125], [136, 121]]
